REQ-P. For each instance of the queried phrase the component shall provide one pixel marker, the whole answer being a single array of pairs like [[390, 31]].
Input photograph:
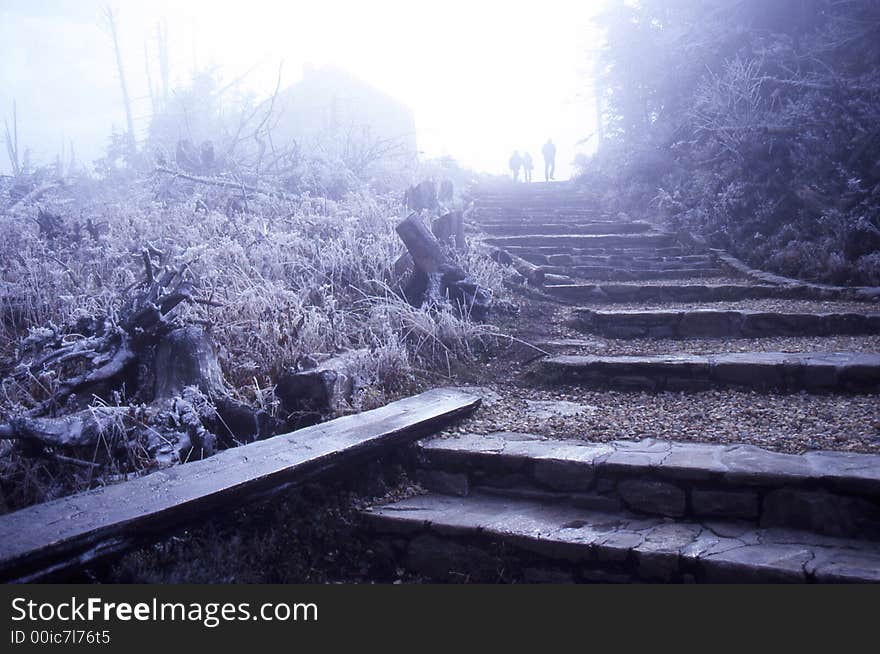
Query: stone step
[[829, 493], [688, 292], [571, 199], [530, 227], [589, 256], [575, 200], [633, 261], [533, 190], [534, 207], [475, 537], [537, 204], [633, 264], [810, 371], [601, 273], [714, 323], [585, 241], [526, 216]]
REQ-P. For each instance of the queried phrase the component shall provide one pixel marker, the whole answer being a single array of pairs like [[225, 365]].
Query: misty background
[[482, 79]]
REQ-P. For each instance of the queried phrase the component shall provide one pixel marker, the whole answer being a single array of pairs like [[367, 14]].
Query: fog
[[482, 78]]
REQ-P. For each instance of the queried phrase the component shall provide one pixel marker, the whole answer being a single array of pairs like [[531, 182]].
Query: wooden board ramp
[[70, 532]]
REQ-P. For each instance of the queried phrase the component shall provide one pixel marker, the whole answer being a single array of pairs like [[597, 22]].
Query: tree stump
[[436, 276]]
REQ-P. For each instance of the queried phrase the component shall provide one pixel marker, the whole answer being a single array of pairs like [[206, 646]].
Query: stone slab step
[[547, 203], [714, 323], [633, 262], [657, 263], [649, 253], [539, 205], [579, 203], [536, 207], [811, 371], [532, 194], [66, 533], [599, 273], [830, 493], [500, 215], [446, 537], [531, 227], [689, 292], [585, 241], [656, 271]]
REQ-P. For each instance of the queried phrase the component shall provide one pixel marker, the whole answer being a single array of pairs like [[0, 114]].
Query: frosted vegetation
[[287, 256], [753, 123]]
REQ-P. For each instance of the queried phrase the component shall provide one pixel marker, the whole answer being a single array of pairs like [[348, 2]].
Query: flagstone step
[[479, 536], [717, 323], [585, 241], [691, 292], [577, 228], [542, 254], [630, 261], [810, 371], [601, 273]]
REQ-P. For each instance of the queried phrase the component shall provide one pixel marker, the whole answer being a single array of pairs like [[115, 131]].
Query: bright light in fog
[[483, 78]]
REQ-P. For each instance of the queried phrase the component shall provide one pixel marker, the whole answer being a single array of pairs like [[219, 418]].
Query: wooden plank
[[69, 532]]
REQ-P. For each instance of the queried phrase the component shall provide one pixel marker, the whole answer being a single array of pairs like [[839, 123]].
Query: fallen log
[[534, 274], [32, 195], [221, 182]]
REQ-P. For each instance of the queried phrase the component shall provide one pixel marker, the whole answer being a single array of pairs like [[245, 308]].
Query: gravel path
[[793, 423], [783, 422]]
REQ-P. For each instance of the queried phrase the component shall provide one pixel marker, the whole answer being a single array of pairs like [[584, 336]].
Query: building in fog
[[331, 111]]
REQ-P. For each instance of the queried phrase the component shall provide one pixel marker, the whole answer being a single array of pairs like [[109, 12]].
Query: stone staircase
[[522, 507], [650, 511]]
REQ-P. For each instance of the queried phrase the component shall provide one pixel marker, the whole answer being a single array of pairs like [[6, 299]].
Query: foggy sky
[[483, 78]]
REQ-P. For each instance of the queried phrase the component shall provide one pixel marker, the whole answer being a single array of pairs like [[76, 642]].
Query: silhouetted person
[[549, 152], [515, 163], [527, 167]]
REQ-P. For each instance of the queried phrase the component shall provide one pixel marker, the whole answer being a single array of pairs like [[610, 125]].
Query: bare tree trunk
[[162, 40], [111, 20], [12, 142], [598, 91], [149, 78]]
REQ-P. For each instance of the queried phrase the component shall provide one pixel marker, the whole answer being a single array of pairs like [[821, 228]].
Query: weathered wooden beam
[[68, 533]]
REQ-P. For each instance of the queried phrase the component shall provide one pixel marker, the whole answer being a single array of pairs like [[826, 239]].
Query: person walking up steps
[[515, 163], [549, 152], [527, 167]]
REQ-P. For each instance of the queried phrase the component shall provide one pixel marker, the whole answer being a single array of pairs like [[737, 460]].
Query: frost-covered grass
[[284, 278]]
